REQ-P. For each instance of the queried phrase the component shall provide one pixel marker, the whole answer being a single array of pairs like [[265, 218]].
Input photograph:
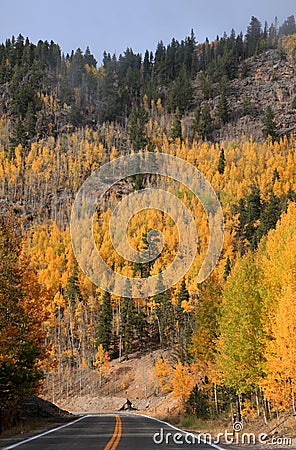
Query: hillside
[[208, 349], [133, 379], [269, 79]]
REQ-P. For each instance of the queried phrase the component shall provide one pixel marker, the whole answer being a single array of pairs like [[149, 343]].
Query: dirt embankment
[[131, 379]]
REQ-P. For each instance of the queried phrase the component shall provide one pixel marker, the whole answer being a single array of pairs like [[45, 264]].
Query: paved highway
[[122, 431]]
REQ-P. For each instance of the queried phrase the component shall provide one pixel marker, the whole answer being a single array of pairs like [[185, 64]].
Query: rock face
[[36, 407], [270, 81]]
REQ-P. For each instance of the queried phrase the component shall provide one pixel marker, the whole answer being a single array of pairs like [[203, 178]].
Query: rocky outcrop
[[36, 407], [270, 81]]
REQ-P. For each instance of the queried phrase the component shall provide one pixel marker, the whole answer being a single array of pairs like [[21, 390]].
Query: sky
[[114, 25]]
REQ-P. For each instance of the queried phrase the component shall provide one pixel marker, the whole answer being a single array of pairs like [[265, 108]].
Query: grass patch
[[194, 423], [24, 427]]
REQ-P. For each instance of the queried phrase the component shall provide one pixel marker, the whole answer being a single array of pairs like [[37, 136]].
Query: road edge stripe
[[44, 434]]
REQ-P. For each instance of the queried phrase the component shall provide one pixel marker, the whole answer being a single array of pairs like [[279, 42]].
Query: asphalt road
[[112, 431]]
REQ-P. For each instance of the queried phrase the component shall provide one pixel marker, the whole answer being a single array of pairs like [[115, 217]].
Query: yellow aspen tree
[[278, 260], [280, 383], [163, 371], [182, 383], [102, 362]]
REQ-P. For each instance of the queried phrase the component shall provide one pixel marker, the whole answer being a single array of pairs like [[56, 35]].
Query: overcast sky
[[114, 25]]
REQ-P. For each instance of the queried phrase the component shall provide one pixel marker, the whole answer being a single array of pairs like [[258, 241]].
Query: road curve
[[114, 431]]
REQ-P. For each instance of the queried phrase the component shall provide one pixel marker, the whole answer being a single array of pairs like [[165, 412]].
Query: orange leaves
[[278, 257], [179, 380], [163, 372], [102, 361], [279, 384], [182, 383], [289, 44], [22, 311]]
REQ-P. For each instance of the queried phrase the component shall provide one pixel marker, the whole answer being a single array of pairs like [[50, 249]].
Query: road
[[112, 431]]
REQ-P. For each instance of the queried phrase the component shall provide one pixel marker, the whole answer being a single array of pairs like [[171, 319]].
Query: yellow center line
[[114, 441]]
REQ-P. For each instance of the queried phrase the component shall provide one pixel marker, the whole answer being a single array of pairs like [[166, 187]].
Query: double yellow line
[[114, 441]]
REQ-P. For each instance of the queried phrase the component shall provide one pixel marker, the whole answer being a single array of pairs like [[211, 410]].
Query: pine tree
[[181, 92], [288, 26], [164, 313], [137, 128], [141, 326], [128, 319], [221, 163], [183, 295], [183, 323], [205, 124], [253, 36], [249, 214], [269, 128], [105, 322], [176, 132], [269, 216], [227, 269], [72, 289], [197, 117], [223, 109]]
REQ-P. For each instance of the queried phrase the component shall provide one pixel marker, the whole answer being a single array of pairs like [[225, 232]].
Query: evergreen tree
[[181, 92], [269, 216], [137, 128], [269, 128], [72, 289], [205, 124], [197, 118], [288, 27], [150, 250], [176, 132], [227, 269], [105, 322], [254, 205], [141, 326], [223, 109], [183, 295], [206, 85], [128, 319], [183, 324], [253, 36], [198, 404], [221, 163], [249, 211], [164, 314]]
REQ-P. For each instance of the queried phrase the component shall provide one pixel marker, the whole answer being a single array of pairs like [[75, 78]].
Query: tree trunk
[[216, 399]]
